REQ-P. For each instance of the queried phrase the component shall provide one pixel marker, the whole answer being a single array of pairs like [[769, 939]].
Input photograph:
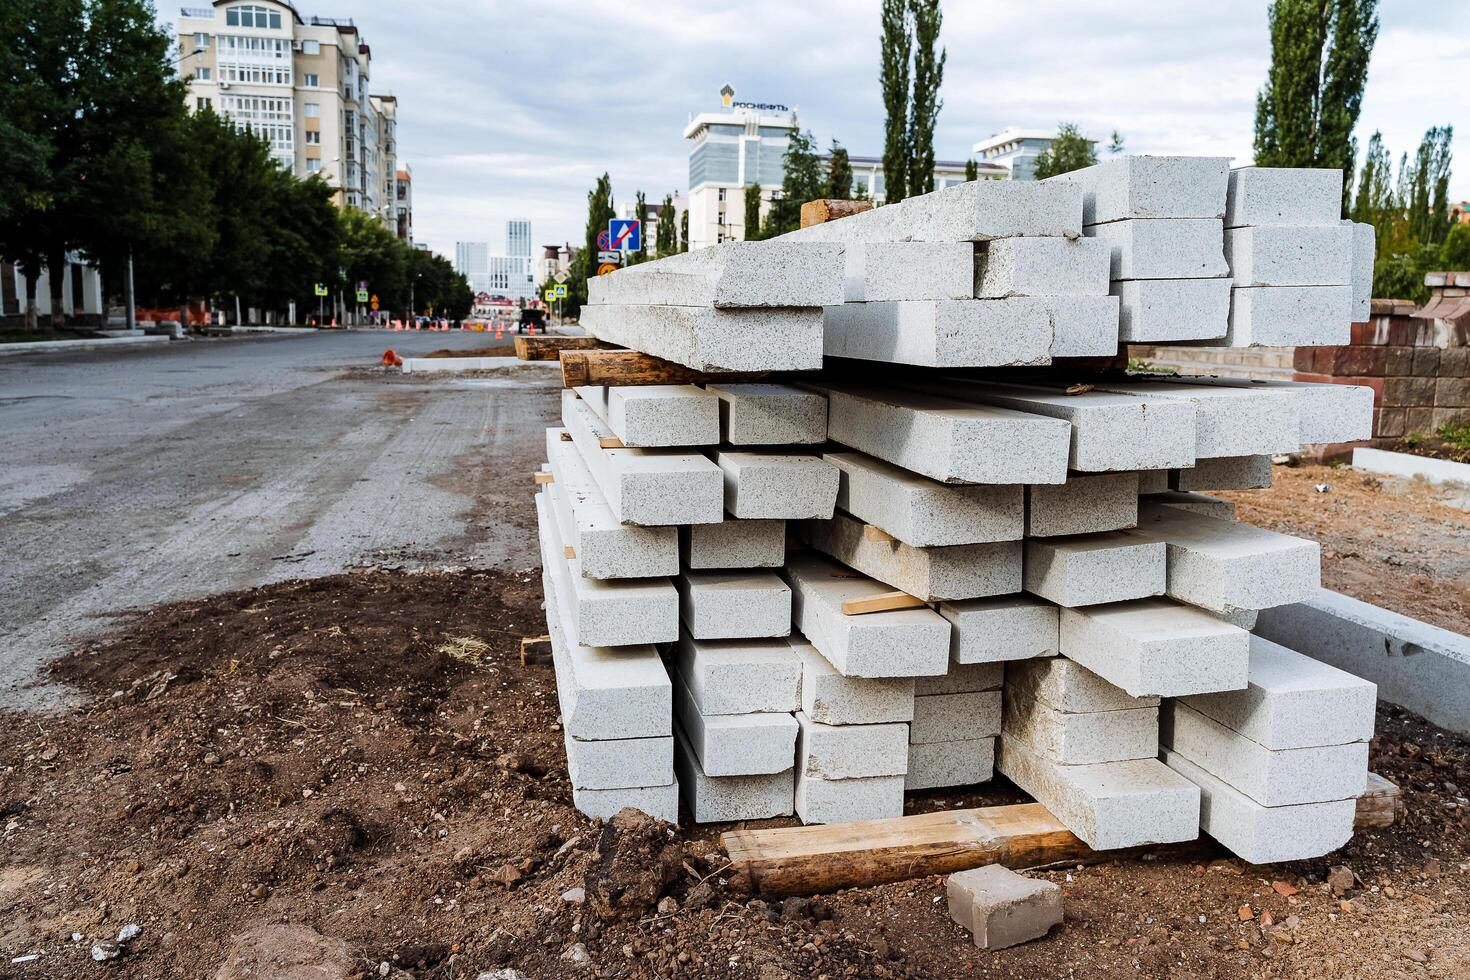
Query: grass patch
[[1456, 434]]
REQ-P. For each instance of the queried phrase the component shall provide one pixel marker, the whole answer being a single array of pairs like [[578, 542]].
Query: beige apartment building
[[303, 84]]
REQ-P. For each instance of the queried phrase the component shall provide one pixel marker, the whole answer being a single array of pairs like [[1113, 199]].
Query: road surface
[[134, 477]]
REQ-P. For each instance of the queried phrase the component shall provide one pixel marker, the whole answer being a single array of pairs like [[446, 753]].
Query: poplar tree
[[667, 239], [753, 212], [896, 47], [972, 170], [839, 173], [924, 111], [599, 211], [640, 211]]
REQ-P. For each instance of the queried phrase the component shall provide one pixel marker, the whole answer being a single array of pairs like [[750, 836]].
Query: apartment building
[[303, 84], [510, 275]]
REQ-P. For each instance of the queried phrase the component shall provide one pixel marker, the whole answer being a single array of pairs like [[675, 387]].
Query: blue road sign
[[626, 234]]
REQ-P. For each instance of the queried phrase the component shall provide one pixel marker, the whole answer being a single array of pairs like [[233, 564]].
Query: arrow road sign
[[626, 233]]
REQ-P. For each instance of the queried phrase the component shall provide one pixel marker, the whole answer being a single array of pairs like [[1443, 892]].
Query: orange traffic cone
[[391, 358]]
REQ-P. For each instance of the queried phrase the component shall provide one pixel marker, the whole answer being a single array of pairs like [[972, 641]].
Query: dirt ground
[[364, 756], [494, 350]]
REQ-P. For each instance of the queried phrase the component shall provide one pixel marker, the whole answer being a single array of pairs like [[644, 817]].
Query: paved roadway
[[132, 477]]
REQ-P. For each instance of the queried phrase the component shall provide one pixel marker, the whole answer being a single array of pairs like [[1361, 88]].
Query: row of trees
[[911, 72], [100, 155]]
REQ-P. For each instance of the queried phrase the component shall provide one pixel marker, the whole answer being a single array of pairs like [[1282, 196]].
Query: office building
[[511, 274], [1016, 150], [518, 237]]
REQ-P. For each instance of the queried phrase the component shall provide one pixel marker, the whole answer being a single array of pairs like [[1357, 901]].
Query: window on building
[[313, 166], [202, 102], [311, 47], [313, 137], [722, 193], [311, 110], [201, 74], [201, 40], [251, 16], [310, 80]]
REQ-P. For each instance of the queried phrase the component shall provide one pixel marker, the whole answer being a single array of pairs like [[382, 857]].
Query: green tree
[[667, 241], [684, 231], [1069, 150], [839, 173], [972, 170], [1309, 104], [600, 211], [752, 217], [640, 211], [371, 253], [924, 111], [804, 181], [1115, 143], [1454, 253], [1429, 186], [896, 48]]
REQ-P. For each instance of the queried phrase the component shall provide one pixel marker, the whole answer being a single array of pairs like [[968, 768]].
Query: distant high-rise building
[[472, 260], [511, 276], [518, 238]]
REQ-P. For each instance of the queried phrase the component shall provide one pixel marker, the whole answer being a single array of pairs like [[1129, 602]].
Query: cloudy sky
[[511, 109]]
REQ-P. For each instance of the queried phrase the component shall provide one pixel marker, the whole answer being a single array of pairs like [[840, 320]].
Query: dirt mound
[[288, 953], [495, 350]]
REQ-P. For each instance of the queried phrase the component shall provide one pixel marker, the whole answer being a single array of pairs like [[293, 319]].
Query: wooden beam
[[872, 532], [545, 348], [820, 212], [882, 602], [543, 477], [1380, 805], [568, 551], [610, 442], [630, 367], [535, 650]]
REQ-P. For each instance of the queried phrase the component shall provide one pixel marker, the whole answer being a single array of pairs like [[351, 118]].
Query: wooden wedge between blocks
[[873, 532], [610, 442], [881, 603], [630, 367], [568, 552], [543, 477], [535, 650], [549, 348]]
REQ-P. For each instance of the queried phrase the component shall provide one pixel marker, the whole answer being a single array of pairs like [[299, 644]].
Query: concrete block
[[897, 643], [832, 699], [1004, 628], [1042, 267], [1171, 310], [1293, 701], [941, 333], [1089, 569], [734, 544], [1224, 473], [1229, 421], [645, 486], [736, 745], [955, 717], [731, 274], [1197, 503], [981, 210], [657, 415], [1244, 618], [1423, 668], [1289, 316], [1150, 187], [1287, 255], [1283, 196], [728, 605], [1081, 739], [1155, 647], [948, 439], [1153, 482], [717, 799], [1082, 326], [659, 802], [1183, 248], [1110, 804], [786, 486], [1068, 687], [1001, 908], [845, 800], [1271, 777], [708, 339], [739, 677], [1222, 565], [770, 414], [1260, 834], [963, 678], [934, 765], [605, 548], [879, 272], [620, 763], [1365, 248], [850, 751], [1085, 504], [923, 512], [1326, 412], [960, 571]]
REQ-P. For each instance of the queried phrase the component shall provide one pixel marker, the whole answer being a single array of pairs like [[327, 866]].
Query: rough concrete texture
[[649, 487], [923, 512], [1157, 648], [845, 800], [960, 571], [1082, 326], [738, 677], [1271, 777], [963, 679], [1155, 311], [709, 339], [832, 699], [659, 802], [620, 763], [850, 751], [1000, 629], [1229, 420], [716, 799], [981, 210], [1265, 835], [770, 414], [1365, 246], [1085, 504], [736, 745], [1196, 503], [731, 274], [728, 605], [1001, 908], [1289, 316], [948, 439], [1417, 666], [1224, 473], [1089, 569], [955, 717], [896, 643], [605, 548], [1111, 804], [1150, 187], [1153, 482], [934, 765], [1042, 267], [777, 486], [1081, 739], [1285, 255], [1325, 412], [1069, 687], [1185, 248], [733, 543], [1222, 565], [1293, 701], [663, 415], [1283, 196], [879, 272], [942, 333]]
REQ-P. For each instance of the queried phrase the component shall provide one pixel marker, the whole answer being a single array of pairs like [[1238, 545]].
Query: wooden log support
[[881, 603], [820, 212], [535, 650], [610, 442], [630, 367], [872, 532], [549, 348], [1380, 805], [542, 477]]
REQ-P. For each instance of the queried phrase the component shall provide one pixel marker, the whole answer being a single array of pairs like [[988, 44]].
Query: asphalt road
[[135, 477]]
